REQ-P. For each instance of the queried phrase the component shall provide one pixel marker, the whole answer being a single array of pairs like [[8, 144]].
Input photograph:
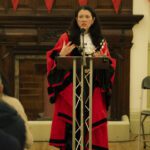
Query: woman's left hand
[[97, 54]]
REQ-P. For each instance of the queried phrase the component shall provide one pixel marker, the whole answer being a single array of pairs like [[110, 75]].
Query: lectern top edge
[[66, 62]]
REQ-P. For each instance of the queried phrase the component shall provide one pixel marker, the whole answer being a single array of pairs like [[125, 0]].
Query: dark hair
[[10, 121], [6, 89], [95, 30], [8, 142]]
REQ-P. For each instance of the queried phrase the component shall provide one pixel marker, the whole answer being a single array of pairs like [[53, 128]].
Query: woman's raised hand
[[97, 54], [66, 49]]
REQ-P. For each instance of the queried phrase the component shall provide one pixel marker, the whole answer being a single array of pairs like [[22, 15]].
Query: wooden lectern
[[75, 63]]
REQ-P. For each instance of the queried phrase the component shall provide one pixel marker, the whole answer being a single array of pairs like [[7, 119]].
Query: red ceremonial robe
[[60, 89]]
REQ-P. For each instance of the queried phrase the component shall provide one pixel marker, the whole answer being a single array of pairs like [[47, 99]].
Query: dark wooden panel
[[65, 4], [7, 66], [31, 87], [2, 6], [120, 45], [61, 7], [45, 32], [31, 30]]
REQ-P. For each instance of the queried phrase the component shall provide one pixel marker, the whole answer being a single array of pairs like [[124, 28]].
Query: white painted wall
[[149, 59], [139, 59]]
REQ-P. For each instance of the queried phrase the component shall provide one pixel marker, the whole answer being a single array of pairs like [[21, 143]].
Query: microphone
[[82, 46], [82, 30]]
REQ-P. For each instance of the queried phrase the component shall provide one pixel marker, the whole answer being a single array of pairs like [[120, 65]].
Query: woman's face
[[85, 19]]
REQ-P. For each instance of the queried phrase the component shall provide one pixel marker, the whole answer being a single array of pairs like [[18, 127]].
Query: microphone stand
[[83, 65], [83, 48]]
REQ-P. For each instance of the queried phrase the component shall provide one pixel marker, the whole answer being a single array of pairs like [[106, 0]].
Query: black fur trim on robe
[[103, 80], [57, 76]]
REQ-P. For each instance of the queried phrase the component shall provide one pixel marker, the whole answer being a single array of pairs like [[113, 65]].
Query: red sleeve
[[58, 46], [51, 65]]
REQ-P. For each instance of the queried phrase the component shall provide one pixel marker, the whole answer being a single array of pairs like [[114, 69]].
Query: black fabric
[[94, 147], [52, 99], [99, 122], [107, 96], [65, 116], [57, 141], [103, 80], [76, 52], [68, 136], [8, 142], [54, 54], [55, 77], [11, 123]]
